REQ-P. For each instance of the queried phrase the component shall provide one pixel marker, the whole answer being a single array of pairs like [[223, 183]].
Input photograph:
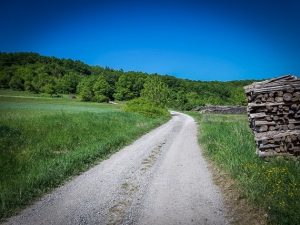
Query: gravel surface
[[161, 178]]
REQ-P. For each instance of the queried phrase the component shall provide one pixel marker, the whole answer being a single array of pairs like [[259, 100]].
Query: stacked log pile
[[274, 115], [223, 109]]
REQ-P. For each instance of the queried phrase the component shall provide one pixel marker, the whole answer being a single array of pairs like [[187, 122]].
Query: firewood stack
[[274, 115]]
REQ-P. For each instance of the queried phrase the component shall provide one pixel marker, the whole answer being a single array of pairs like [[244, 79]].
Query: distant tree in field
[[180, 100], [193, 100], [86, 94], [156, 91], [86, 82], [101, 90], [129, 85], [16, 82], [238, 96], [68, 83], [49, 89]]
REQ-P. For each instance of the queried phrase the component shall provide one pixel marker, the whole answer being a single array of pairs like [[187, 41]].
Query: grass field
[[273, 184], [45, 141]]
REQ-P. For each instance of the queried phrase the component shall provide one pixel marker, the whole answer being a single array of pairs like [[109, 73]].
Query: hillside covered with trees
[[41, 74]]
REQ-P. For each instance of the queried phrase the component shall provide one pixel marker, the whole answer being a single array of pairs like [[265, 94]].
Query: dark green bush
[[100, 98]]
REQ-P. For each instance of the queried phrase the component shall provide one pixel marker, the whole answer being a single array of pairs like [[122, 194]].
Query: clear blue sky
[[199, 40]]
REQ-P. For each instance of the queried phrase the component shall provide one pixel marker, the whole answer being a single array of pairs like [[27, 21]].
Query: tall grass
[[45, 141], [272, 184]]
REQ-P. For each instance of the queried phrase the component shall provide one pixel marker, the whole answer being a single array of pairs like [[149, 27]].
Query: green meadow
[[45, 141], [273, 184]]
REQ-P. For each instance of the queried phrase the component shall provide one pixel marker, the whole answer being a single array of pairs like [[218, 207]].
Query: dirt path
[[161, 178]]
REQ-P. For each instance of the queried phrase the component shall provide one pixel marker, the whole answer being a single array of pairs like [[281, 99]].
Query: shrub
[[100, 98], [146, 107]]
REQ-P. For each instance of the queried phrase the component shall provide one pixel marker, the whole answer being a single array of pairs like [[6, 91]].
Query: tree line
[[32, 72]]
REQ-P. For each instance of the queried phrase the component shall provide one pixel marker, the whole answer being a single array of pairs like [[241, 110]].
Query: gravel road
[[161, 178]]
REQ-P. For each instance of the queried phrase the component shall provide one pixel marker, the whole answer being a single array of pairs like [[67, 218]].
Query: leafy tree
[[129, 86], [238, 96], [101, 90], [86, 82], [86, 94], [49, 89], [101, 87], [156, 91], [193, 100], [16, 83], [68, 83], [4, 80]]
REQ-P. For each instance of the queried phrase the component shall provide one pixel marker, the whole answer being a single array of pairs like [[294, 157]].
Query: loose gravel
[[161, 178]]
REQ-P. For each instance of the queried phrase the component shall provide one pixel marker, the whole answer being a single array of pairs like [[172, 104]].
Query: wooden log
[[282, 148], [286, 117], [279, 99], [268, 146], [290, 147], [279, 93], [278, 89], [254, 105], [293, 121], [291, 126], [271, 82], [293, 137], [272, 128], [290, 89], [275, 134], [268, 118], [285, 127], [287, 96], [296, 149], [277, 139], [262, 123], [263, 128], [267, 154], [269, 107], [296, 94], [257, 115], [288, 139]]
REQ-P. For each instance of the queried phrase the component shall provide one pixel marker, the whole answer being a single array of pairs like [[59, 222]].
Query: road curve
[[161, 178]]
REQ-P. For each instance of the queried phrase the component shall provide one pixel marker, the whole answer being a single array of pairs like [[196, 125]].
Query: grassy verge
[[273, 185], [45, 141]]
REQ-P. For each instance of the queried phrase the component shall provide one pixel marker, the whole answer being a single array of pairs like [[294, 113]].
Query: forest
[[32, 72]]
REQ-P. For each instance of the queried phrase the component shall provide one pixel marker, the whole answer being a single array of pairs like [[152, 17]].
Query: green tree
[[101, 90], [16, 82], [49, 89], [129, 85], [193, 100], [238, 96], [101, 87], [86, 94], [156, 91]]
